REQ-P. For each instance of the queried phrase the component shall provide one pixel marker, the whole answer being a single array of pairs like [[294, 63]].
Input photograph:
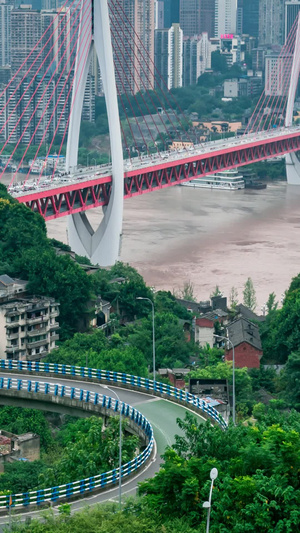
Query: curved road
[[162, 414]]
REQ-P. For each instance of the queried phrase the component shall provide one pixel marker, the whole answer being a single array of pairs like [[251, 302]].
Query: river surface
[[211, 237]]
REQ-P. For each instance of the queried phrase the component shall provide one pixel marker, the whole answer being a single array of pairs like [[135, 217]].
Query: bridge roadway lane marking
[[162, 414]]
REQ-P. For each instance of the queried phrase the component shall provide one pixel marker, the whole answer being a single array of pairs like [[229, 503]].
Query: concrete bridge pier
[[103, 245], [292, 164], [292, 161]]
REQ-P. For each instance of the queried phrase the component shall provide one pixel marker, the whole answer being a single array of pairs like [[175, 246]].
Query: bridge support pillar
[[291, 160], [103, 245], [292, 164]]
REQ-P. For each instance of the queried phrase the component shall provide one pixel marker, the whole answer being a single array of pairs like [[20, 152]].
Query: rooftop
[[245, 312], [215, 314], [6, 280], [242, 330]]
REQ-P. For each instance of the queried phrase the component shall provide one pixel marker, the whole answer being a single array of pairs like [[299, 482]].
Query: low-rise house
[[175, 375], [11, 287], [195, 307], [245, 338], [214, 391], [18, 448], [205, 326]]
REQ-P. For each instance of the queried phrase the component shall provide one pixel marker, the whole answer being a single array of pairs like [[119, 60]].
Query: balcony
[[37, 319], [12, 323], [36, 356], [54, 337], [11, 336], [37, 344], [37, 331], [12, 353], [53, 326]]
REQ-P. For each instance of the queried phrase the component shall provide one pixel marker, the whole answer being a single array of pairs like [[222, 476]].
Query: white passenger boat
[[229, 180]]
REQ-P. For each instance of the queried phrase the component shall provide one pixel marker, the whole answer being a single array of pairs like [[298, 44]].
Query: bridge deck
[[91, 188]]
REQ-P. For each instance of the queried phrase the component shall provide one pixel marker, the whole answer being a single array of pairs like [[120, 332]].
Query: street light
[[120, 445], [95, 161], [87, 158], [207, 505], [227, 339], [153, 331]]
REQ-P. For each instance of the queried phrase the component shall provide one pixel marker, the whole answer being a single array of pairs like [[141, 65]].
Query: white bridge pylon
[[103, 245], [291, 160]]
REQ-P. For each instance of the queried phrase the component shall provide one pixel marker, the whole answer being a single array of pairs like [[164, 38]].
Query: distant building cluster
[[158, 44]]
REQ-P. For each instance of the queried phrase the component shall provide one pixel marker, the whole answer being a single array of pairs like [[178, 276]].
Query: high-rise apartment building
[[225, 17], [190, 17], [207, 17], [5, 17], [26, 31], [169, 57], [59, 34], [196, 58], [57, 29], [248, 17], [277, 73], [133, 42], [159, 19], [271, 22], [171, 12], [292, 9]]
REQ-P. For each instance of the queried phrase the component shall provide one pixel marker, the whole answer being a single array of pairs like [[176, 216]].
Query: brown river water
[[211, 237]]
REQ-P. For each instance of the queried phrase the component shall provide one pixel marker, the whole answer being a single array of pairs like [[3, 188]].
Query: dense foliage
[[78, 448], [258, 487], [21, 476], [106, 519], [20, 421], [88, 450], [26, 252], [280, 333], [97, 351]]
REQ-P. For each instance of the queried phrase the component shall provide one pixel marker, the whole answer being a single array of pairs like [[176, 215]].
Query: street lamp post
[[227, 339], [153, 332], [95, 161], [120, 444], [207, 505]]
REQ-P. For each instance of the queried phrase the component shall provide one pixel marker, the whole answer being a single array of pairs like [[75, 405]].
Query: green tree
[[89, 450], [280, 333], [165, 302], [271, 304], [171, 343], [233, 298], [30, 255], [22, 420], [218, 62], [249, 295], [64, 280], [99, 352], [21, 476], [121, 285], [291, 378], [257, 466], [187, 292], [216, 292]]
